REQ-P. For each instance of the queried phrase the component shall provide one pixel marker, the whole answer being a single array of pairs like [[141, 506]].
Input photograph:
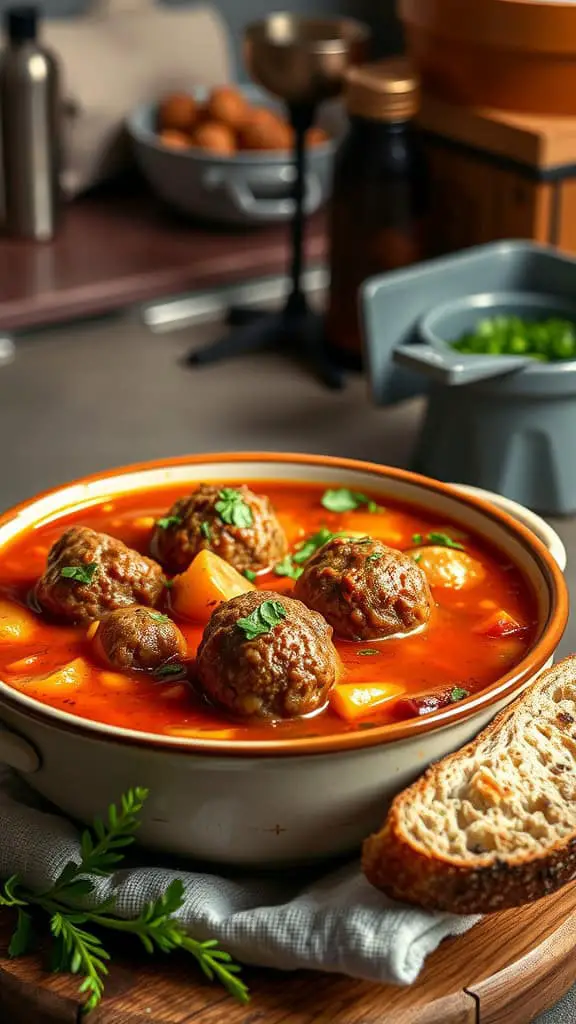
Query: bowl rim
[[508, 684]]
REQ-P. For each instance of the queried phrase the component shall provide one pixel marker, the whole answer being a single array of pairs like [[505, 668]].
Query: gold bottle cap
[[387, 90]]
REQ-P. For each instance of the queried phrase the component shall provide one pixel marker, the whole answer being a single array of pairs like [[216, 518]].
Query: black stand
[[295, 328]]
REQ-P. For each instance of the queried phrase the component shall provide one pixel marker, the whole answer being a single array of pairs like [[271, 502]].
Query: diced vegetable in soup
[[256, 611]]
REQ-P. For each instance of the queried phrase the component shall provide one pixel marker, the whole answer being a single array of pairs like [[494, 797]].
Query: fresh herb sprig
[[342, 499], [262, 620], [167, 522], [233, 509], [440, 539], [80, 573], [75, 948]]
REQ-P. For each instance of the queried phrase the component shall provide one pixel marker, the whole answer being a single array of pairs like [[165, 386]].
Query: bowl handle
[[17, 752], [446, 367], [265, 209]]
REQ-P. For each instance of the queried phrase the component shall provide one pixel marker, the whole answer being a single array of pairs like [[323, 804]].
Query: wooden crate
[[497, 175]]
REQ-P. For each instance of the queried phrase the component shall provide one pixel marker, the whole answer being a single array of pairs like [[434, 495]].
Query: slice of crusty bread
[[493, 825]]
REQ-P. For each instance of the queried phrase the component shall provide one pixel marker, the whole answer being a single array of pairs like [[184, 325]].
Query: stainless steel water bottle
[[30, 115]]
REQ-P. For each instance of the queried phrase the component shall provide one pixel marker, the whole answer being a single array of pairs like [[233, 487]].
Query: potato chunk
[[448, 567]]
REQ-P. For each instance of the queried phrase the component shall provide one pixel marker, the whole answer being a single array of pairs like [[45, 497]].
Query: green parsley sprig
[[78, 950], [342, 499], [233, 509], [80, 573], [439, 539], [262, 620]]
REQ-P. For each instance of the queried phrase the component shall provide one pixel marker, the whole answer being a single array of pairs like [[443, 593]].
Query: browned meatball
[[88, 574], [281, 669], [138, 638], [365, 590], [237, 524]]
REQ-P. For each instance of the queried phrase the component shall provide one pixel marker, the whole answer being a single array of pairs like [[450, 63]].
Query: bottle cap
[[21, 23], [387, 90]]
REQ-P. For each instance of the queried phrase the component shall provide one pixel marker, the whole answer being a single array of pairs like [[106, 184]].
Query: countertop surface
[[103, 393]]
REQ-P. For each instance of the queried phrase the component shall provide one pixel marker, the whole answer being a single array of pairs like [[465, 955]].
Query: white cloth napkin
[[333, 922]]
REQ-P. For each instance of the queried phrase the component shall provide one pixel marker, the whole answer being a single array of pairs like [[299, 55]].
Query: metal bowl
[[250, 188]]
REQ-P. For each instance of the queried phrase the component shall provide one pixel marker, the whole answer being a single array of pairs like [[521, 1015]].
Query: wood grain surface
[[506, 970]]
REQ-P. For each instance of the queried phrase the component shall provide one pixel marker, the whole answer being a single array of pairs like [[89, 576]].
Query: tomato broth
[[448, 659]]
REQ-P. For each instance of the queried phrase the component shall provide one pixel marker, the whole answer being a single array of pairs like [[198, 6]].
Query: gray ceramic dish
[[249, 188], [448, 321], [512, 433]]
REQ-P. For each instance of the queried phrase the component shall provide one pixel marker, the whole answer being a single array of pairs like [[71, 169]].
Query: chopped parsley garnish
[[287, 568], [232, 508], [441, 539], [159, 617], [80, 573], [312, 544], [168, 584], [342, 499], [169, 521], [445, 541], [169, 670], [418, 556], [251, 576], [262, 620], [206, 531], [374, 557], [458, 693], [367, 651]]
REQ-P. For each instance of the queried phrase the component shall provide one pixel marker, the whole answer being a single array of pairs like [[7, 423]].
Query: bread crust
[[394, 863]]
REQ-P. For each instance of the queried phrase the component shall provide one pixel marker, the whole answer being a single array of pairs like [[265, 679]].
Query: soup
[[476, 623]]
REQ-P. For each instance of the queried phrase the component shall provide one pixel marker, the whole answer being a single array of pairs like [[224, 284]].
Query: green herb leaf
[[458, 693], [367, 652], [418, 556], [206, 531], [417, 538], [262, 620], [79, 573], [168, 584], [169, 670], [375, 556], [287, 568], [167, 521], [159, 617], [22, 936], [251, 576], [445, 541], [311, 545], [75, 948], [232, 508], [342, 499]]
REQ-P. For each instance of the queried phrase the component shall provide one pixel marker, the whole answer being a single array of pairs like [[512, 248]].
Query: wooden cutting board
[[506, 970]]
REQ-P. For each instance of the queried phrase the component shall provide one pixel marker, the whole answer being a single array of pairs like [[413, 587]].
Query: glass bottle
[[377, 219]]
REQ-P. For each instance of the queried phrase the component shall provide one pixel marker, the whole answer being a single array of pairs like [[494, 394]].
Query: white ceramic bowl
[[266, 803]]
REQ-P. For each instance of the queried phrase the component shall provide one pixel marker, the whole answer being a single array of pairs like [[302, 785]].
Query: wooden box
[[499, 175]]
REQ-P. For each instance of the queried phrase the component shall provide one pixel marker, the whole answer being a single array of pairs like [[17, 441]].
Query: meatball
[[365, 590], [138, 638], [88, 574], [232, 521], [281, 669]]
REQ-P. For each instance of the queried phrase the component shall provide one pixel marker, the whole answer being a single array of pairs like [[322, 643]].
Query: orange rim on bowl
[[549, 635]]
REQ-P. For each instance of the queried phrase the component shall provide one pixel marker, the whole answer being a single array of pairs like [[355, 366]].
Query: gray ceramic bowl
[[450, 320], [249, 188]]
